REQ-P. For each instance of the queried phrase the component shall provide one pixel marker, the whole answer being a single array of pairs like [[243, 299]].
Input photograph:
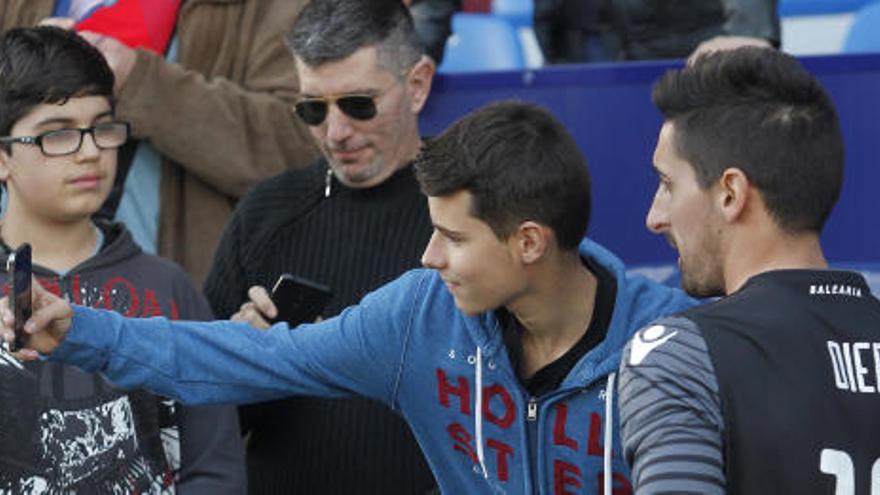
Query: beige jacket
[[221, 118]]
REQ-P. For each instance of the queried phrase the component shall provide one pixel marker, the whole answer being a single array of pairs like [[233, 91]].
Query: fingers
[[263, 302], [61, 22], [726, 42], [50, 321], [26, 355], [120, 57], [47, 309], [249, 313], [7, 319], [93, 38], [37, 289]]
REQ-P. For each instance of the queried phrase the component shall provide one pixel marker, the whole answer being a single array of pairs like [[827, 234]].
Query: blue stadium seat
[[481, 42], [864, 35], [789, 8], [517, 12]]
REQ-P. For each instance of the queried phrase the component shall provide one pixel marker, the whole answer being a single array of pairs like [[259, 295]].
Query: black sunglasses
[[313, 111]]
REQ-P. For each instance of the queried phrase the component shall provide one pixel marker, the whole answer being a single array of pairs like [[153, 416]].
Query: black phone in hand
[[19, 268], [299, 300]]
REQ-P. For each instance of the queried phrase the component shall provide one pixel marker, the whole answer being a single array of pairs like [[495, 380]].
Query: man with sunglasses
[[352, 221], [62, 430]]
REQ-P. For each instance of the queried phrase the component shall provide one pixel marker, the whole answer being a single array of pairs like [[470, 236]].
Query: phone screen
[[19, 267], [299, 300]]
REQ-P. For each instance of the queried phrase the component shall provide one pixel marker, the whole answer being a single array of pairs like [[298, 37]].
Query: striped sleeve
[[670, 411]]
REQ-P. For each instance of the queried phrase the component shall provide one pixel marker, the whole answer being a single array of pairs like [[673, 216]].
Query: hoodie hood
[[118, 247], [121, 277], [638, 301]]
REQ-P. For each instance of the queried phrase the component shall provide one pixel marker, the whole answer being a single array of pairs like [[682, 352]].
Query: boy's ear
[[4, 165], [533, 241]]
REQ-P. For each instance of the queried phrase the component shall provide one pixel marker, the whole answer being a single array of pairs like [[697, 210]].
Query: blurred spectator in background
[[207, 86], [572, 31], [433, 21], [353, 220]]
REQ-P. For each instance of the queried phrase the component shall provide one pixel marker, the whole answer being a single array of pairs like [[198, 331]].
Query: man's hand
[[258, 310], [119, 57], [725, 42], [47, 327], [59, 22]]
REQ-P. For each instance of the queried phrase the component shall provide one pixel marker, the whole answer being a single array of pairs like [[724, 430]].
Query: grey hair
[[331, 30]]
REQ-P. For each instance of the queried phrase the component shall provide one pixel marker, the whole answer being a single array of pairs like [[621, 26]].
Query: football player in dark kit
[[772, 389]]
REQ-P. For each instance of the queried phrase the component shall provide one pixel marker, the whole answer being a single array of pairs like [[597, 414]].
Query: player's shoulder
[[672, 339]]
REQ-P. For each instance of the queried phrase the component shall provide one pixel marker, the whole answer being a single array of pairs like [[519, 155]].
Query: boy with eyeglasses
[[62, 430]]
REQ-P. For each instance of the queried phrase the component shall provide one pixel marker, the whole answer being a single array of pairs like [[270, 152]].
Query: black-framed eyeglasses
[[109, 135], [313, 111]]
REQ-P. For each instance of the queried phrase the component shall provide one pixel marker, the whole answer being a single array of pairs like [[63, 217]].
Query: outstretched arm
[[356, 353]]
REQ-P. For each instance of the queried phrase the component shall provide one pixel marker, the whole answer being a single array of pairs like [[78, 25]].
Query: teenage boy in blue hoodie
[[500, 355], [62, 430]]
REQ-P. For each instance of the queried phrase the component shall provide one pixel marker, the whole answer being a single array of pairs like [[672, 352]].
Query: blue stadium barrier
[[481, 42], [790, 8], [864, 34], [607, 107]]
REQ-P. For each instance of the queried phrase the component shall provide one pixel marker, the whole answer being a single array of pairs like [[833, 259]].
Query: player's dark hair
[[759, 110]]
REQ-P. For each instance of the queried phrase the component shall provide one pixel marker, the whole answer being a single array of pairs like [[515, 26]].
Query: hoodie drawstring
[[609, 424], [478, 414], [609, 437]]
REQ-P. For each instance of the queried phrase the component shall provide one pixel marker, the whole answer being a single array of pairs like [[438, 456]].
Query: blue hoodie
[[408, 346]]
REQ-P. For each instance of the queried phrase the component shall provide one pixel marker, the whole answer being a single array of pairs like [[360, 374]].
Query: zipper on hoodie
[[532, 431]]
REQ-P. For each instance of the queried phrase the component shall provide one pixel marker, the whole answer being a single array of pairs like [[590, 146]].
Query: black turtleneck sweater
[[352, 240]]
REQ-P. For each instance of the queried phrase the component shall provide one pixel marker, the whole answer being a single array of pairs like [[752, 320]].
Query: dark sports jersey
[[773, 389]]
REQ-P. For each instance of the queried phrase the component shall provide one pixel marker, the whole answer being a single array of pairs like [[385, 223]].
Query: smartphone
[[18, 266], [299, 300]]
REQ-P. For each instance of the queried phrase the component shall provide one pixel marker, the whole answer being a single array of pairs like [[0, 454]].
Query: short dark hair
[[759, 110], [46, 64], [331, 30], [519, 163]]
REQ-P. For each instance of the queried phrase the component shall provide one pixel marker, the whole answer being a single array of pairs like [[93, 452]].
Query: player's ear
[[733, 193]]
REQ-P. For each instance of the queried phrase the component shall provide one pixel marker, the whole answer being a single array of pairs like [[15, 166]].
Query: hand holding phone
[[18, 266], [299, 300]]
